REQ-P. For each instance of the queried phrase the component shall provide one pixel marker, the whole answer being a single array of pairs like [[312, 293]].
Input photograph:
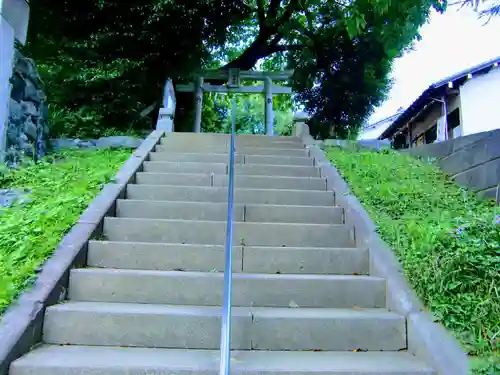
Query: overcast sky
[[450, 43]]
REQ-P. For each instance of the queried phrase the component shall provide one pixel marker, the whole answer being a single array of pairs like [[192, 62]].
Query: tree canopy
[[106, 61]]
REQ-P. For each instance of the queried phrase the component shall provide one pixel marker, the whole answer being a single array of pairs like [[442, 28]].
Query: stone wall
[[472, 161], [26, 129]]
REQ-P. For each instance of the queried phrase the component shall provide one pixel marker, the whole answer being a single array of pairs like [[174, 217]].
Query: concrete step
[[277, 170], [195, 327], [240, 181], [306, 260], [192, 148], [245, 137], [193, 157], [160, 256], [78, 360], [220, 168], [207, 288], [214, 233], [176, 179], [270, 144], [219, 194], [283, 260], [239, 142], [278, 160], [184, 167], [222, 149], [218, 212], [224, 158]]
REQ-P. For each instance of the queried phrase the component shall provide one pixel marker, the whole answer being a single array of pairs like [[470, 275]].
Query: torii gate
[[234, 77]]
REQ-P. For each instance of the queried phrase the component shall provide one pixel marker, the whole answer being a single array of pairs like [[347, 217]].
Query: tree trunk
[[247, 60]]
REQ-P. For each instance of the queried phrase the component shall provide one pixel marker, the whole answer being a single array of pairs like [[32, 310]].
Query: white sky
[[450, 43]]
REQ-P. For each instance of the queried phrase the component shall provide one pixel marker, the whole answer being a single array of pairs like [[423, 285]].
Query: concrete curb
[[426, 340], [21, 325]]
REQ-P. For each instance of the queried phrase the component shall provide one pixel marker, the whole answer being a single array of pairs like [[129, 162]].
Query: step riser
[[142, 330], [278, 160], [327, 334], [245, 169], [277, 170], [203, 331], [187, 288], [225, 149], [218, 212], [166, 257], [166, 167], [224, 158], [306, 261], [214, 233], [193, 157], [175, 179], [240, 181], [209, 258], [243, 196]]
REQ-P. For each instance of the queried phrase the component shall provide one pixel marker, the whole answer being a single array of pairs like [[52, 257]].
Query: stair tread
[[100, 360], [239, 176], [222, 247], [238, 165], [223, 154], [244, 223], [201, 204], [218, 275], [211, 311], [224, 188]]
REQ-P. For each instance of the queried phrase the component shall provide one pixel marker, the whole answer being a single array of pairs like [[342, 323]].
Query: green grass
[[62, 186], [447, 241]]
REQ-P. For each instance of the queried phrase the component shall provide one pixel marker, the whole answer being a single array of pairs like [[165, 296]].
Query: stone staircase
[[149, 300]]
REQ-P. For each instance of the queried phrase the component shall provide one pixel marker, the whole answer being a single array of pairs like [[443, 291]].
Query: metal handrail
[[225, 349]]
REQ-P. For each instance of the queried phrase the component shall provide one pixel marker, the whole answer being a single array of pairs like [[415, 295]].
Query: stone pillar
[[301, 129], [14, 18], [269, 115], [6, 61], [167, 112], [198, 97], [165, 120]]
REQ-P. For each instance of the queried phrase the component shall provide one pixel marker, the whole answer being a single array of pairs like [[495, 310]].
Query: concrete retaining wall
[[472, 161]]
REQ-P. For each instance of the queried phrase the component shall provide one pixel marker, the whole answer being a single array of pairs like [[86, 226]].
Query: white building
[[465, 103], [14, 18], [373, 130]]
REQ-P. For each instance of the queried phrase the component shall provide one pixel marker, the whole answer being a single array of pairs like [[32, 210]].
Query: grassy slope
[[447, 241], [62, 187]]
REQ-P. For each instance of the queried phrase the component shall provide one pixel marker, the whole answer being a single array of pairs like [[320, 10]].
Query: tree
[[106, 61], [491, 7], [116, 55]]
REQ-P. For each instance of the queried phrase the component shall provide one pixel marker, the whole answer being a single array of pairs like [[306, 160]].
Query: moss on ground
[[447, 241], [62, 186]]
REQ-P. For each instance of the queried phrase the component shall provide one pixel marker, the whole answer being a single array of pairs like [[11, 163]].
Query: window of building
[[400, 141], [454, 129], [431, 135]]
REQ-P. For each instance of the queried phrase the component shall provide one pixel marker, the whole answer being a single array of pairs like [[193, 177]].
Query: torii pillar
[[268, 105]]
